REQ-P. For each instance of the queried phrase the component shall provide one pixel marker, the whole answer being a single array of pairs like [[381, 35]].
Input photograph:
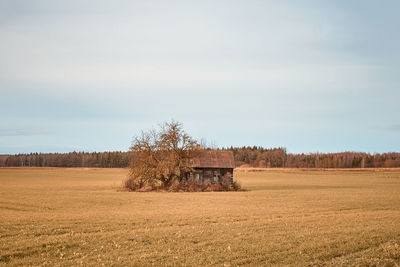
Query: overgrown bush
[[183, 186]]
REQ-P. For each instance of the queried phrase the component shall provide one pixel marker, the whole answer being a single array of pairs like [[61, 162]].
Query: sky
[[310, 76]]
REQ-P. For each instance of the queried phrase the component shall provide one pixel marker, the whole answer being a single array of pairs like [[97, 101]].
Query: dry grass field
[[69, 217]]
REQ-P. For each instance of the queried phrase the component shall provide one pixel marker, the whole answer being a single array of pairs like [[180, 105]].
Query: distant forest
[[244, 156], [278, 158]]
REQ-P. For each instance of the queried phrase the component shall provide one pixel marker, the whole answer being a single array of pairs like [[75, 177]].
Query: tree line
[[278, 158], [254, 156], [116, 159], [344, 160]]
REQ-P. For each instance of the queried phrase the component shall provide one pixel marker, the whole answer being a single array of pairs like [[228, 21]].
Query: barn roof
[[212, 159]]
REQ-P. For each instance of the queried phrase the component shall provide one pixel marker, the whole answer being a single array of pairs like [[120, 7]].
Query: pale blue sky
[[306, 75]]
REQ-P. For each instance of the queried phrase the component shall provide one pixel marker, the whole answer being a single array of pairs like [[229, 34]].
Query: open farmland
[[67, 217]]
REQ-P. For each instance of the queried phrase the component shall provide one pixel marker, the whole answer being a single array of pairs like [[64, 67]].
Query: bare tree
[[160, 157]]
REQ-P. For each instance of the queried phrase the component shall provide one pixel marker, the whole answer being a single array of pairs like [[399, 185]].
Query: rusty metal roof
[[212, 159]]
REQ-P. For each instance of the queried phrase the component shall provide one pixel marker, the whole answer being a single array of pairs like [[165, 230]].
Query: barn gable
[[212, 159]]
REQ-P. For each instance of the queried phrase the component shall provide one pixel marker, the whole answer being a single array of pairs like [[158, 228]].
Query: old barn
[[212, 166]]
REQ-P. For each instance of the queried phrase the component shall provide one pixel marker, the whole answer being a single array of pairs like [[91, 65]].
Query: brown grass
[[246, 168], [299, 218]]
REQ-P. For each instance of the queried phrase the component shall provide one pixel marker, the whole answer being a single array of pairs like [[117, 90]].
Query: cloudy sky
[[306, 75]]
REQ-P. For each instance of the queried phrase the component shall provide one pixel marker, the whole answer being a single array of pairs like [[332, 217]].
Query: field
[[69, 217]]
